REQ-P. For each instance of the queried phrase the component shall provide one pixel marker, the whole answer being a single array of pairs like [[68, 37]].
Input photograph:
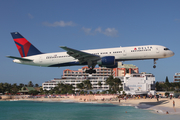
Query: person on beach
[[170, 97], [125, 98], [174, 105], [167, 112], [157, 96], [119, 100]]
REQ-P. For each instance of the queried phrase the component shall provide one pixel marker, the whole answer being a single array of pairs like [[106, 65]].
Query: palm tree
[[7, 87], [30, 84], [14, 88], [80, 86], [36, 85], [114, 84], [2, 89], [64, 88], [110, 82], [100, 84], [87, 84], [117, 83], [167, 84]]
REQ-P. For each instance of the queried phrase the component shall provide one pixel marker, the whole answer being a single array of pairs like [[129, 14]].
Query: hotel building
[[177, 77], [74, 77], [133, 81]]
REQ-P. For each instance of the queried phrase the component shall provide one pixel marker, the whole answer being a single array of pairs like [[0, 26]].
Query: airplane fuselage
[[60, 59]]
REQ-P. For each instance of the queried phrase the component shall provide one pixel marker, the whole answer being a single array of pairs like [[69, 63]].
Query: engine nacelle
[[107, 61], [112, 66]]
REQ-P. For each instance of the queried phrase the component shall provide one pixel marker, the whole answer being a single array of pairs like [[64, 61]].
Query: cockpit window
[[166, 49]]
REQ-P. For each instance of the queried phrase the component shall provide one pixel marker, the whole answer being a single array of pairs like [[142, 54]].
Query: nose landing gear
[[154, 66]]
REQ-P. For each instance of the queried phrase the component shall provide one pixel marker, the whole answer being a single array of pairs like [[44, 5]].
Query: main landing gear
[[90, 71], [155, 63], [91, 65]]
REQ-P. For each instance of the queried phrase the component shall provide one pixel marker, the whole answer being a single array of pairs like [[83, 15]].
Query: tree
[[7, 87], [64, 89], [2, 88], [167, 80], [36, 85], [100, 84], [114, 84], [14, 89], [81, 87], [21, 85], [158, 87], [110, 82], [167, 84], [41, 91], [33, 92], [30, 84], [87, 84], [117, 83]]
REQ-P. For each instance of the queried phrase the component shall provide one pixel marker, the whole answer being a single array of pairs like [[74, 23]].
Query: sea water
[[31, 110]]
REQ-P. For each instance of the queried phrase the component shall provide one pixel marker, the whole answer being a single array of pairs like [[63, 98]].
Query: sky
[[87, 24]]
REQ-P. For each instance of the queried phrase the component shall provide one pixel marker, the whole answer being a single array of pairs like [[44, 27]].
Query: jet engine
[[107, 61]]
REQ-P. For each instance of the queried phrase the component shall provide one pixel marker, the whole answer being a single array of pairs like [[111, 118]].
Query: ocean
[[33, 110]]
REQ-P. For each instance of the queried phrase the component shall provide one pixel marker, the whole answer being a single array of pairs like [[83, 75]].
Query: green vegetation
[[167, 86], [60, 89], [12, 89], [114, 84], [85, 85]]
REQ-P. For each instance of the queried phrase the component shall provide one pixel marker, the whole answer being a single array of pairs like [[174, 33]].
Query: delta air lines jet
[[107, 57]]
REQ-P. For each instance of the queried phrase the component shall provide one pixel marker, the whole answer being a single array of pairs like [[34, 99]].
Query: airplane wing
[[19, 58], [82, 56]]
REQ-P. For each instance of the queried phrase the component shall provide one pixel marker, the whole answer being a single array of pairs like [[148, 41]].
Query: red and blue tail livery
[[24, 46]]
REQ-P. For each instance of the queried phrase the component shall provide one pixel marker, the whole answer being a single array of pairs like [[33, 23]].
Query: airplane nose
[[172, 53], [169, 54]]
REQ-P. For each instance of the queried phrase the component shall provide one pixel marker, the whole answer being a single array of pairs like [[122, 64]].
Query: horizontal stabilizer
[[19, 58]]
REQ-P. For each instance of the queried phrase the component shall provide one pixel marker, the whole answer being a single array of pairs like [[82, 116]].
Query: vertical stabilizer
[[24, 46]]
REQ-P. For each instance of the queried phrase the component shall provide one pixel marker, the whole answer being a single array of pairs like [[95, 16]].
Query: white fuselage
[[60, 59]]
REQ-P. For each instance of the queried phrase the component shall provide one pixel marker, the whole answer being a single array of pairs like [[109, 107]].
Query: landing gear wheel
[[90, 71], [155, 63], [154, 66]]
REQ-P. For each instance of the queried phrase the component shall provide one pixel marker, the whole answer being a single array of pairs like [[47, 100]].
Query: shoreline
[[160, 107]]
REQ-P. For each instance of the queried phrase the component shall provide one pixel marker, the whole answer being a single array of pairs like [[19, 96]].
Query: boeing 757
[[107, 57]]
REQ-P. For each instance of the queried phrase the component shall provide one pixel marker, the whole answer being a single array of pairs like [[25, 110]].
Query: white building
[[133, 82], [76, 80], [141, 83], [177, 77]]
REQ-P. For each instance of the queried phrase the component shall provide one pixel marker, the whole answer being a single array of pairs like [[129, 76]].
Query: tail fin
[[24, 46]]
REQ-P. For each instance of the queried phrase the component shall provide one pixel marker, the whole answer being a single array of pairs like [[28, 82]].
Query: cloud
[[86, 30], [98, 30], [178, 20], [30, 16], [108, 32], [59, 24], [111, 32]]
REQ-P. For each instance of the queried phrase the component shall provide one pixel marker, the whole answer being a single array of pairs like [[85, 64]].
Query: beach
[[163, 106]]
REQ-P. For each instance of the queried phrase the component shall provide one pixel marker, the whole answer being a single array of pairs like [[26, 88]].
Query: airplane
[[107, 57]]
